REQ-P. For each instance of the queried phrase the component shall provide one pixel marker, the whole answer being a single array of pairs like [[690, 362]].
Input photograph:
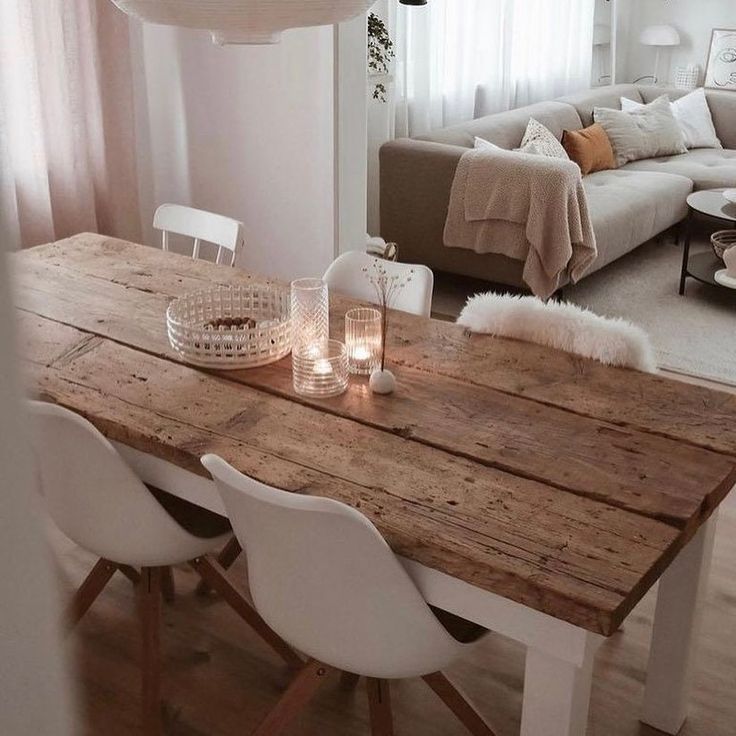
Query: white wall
[[694, 19], [247, 131]]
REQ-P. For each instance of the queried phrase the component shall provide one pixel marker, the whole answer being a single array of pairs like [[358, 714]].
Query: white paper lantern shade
[[244, 21]]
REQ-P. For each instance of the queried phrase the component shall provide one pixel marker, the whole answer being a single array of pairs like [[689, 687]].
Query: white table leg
[[676, 627], [557, 691]]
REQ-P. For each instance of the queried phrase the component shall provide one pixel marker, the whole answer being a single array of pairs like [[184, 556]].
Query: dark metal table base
[[700, 267]]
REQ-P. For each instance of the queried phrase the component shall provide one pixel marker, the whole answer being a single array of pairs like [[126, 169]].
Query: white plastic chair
[[346, 276], [358, 610], [98, 502], [224, 232]]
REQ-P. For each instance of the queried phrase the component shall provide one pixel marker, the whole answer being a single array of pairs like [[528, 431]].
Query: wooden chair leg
[[130, 573], [88, 591], [213, 575], [379, 701], [168, 589], [349, 680], [150, 614], [456, 702], [228, 554], [297, 695]]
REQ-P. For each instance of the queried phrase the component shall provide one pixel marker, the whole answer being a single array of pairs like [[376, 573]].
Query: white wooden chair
[[99, 503], [358, 610], [224, 232], [346, 276]]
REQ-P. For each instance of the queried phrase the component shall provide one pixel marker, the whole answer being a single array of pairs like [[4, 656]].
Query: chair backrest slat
[[349, 273], [224, 232]]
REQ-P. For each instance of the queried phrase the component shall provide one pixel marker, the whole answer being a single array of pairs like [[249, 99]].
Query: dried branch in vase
[[387, 287]]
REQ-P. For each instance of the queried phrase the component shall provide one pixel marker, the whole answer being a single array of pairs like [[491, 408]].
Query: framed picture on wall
[[720, 73]]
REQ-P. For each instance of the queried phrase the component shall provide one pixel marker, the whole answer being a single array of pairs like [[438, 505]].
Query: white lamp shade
[[244, 21], [663, 35]]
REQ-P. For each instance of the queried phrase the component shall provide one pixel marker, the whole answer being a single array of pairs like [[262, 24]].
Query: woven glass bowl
[[231, 327]]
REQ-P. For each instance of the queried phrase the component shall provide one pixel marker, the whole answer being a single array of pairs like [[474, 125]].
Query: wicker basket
[[230, 327], [722, 241]]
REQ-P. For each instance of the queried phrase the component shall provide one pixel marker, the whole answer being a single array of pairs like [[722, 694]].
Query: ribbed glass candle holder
[[323, 375], [363, 340], [310, 317]]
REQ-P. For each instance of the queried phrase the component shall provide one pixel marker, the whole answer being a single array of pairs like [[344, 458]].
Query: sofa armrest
[[723, 109], [416, 178]]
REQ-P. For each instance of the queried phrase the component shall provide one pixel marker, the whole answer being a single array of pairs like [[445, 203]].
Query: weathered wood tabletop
[[559, 483]]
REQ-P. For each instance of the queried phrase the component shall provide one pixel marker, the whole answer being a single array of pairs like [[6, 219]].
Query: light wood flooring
[[220, 679]]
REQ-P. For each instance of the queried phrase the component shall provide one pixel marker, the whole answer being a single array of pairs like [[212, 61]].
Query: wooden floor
[[220, 679]]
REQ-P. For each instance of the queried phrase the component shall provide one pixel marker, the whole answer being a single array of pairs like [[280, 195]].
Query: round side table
[[702, 267]]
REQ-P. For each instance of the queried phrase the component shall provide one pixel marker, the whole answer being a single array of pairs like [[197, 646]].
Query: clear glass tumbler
[[321, 376], [310, 317], [363, 340]]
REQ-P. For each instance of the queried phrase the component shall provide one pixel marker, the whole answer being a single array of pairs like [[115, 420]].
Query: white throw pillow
[[541, 141], [647, 132], [693, 116], [483, 143]]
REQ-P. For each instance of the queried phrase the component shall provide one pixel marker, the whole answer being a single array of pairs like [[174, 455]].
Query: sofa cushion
[[506, 129], [590, 148], [650, 130], [541, 141], [628, 208], [693, 116], [584, 102], [708, 168], [722, 104]]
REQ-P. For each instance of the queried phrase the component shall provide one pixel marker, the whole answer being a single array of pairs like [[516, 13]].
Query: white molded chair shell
[[346, 276], [325, 580], [224, 232], [97, 500]]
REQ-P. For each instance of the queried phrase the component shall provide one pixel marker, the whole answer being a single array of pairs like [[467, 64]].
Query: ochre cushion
[[590, 148]]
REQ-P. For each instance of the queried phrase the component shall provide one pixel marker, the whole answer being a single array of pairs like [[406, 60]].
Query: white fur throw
[[562, 326]]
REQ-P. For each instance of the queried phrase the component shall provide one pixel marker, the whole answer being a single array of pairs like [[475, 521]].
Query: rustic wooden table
[[536, 493]]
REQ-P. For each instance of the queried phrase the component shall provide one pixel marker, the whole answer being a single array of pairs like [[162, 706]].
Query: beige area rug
[[693, 334]]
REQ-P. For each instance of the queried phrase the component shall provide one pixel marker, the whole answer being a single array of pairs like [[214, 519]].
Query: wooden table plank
[[569, 556], [696, 414], [641, 472], [475, 467]]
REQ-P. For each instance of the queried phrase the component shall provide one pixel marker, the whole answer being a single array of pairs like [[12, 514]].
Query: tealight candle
[[322, 367], [363, 340]]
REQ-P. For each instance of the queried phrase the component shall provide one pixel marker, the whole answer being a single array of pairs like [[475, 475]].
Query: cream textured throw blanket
[[543, 196]]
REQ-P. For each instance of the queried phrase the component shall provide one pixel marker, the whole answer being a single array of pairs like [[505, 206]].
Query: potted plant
[[380, 55]]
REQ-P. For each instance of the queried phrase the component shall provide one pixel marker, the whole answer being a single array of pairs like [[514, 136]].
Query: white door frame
[[351, 134]]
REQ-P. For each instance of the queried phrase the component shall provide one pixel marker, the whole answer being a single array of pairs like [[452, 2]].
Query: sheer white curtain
[[67, 150], [460, 59]]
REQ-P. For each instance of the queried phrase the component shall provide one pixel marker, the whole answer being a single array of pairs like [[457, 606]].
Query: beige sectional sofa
[[628, 206]]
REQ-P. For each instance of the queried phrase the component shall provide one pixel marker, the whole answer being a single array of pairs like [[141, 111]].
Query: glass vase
[[363, 340], [310, 317], [324, 375]]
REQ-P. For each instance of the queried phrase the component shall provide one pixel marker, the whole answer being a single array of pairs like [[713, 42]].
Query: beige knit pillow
[[647, 132]]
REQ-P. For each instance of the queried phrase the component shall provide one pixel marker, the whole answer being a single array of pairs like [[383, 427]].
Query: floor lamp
[[659, 37]]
